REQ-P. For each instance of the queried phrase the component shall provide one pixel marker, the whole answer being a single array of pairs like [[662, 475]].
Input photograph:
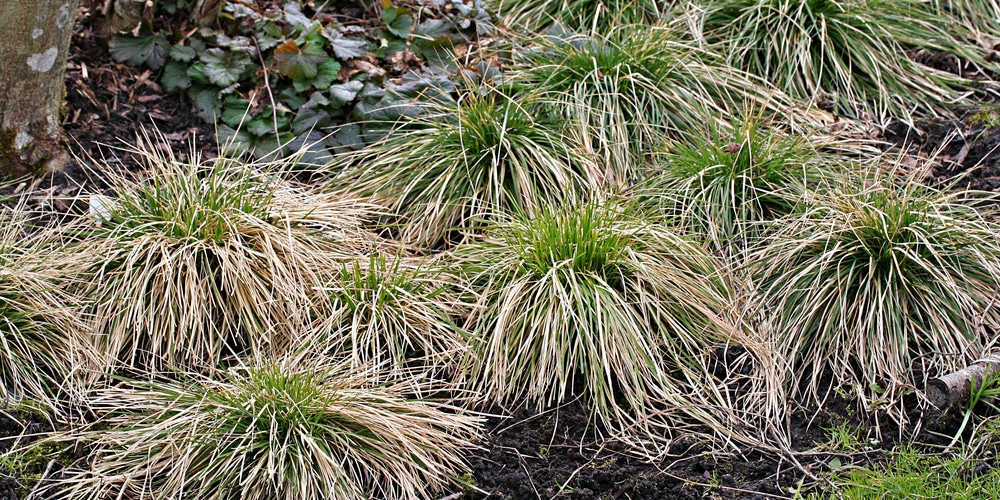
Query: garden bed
[[527, 453]]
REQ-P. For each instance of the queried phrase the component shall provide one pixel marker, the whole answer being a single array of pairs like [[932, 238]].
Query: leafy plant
[[458, 161], [276, 79], [272, 430], [850, 54], [199, 260], [588, 300], [388, 314], [875, 277]]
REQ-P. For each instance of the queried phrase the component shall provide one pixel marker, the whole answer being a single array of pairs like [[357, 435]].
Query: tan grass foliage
[[270, 430], [199, 260]]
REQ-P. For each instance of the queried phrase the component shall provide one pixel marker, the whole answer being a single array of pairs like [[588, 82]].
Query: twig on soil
[[720, 486], [41, 480], [563, 486]]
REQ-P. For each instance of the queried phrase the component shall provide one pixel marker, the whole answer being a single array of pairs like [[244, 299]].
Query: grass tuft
[[42, 330], [627, 89], [591, 300], [272, 430], [851, 54], [874, 282], [579, 15], [389, 313], [200, 260], [726, 186], [444, 169]]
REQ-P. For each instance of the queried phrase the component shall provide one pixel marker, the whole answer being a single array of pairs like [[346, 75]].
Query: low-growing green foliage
[[277, 77], [461, 161], [874, 279], [270, 430], [199, 260], [592, 300], [852, 54], [909, 474], [387, 313]]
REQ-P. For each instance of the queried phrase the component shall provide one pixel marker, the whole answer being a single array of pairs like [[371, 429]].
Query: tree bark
[[34, 41]]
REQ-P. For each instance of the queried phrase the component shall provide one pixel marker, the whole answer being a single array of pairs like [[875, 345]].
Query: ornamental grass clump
[[873, 283], [978, 20], [289, 430], [627, 89], [199, 260], [592, 301], [42, 332], [444, 169], [579, 15], [851, 54], [388, 314], [725, 186]]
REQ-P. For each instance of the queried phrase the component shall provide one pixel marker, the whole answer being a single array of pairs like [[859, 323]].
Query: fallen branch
[[954, 389]]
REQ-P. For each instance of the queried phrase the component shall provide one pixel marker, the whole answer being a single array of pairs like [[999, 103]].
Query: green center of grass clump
[[288, 400], [584, 242], [197, 202], [869, 282], [289, 430]]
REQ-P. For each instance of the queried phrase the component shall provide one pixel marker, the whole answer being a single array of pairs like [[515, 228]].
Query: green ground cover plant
[[197, 261], [269, 430], [276, 77], [911, 474]]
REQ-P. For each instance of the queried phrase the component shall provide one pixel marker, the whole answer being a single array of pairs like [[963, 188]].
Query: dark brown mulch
[[968, 152]]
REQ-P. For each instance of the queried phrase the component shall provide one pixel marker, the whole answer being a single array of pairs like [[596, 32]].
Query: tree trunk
[[34, 42]]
